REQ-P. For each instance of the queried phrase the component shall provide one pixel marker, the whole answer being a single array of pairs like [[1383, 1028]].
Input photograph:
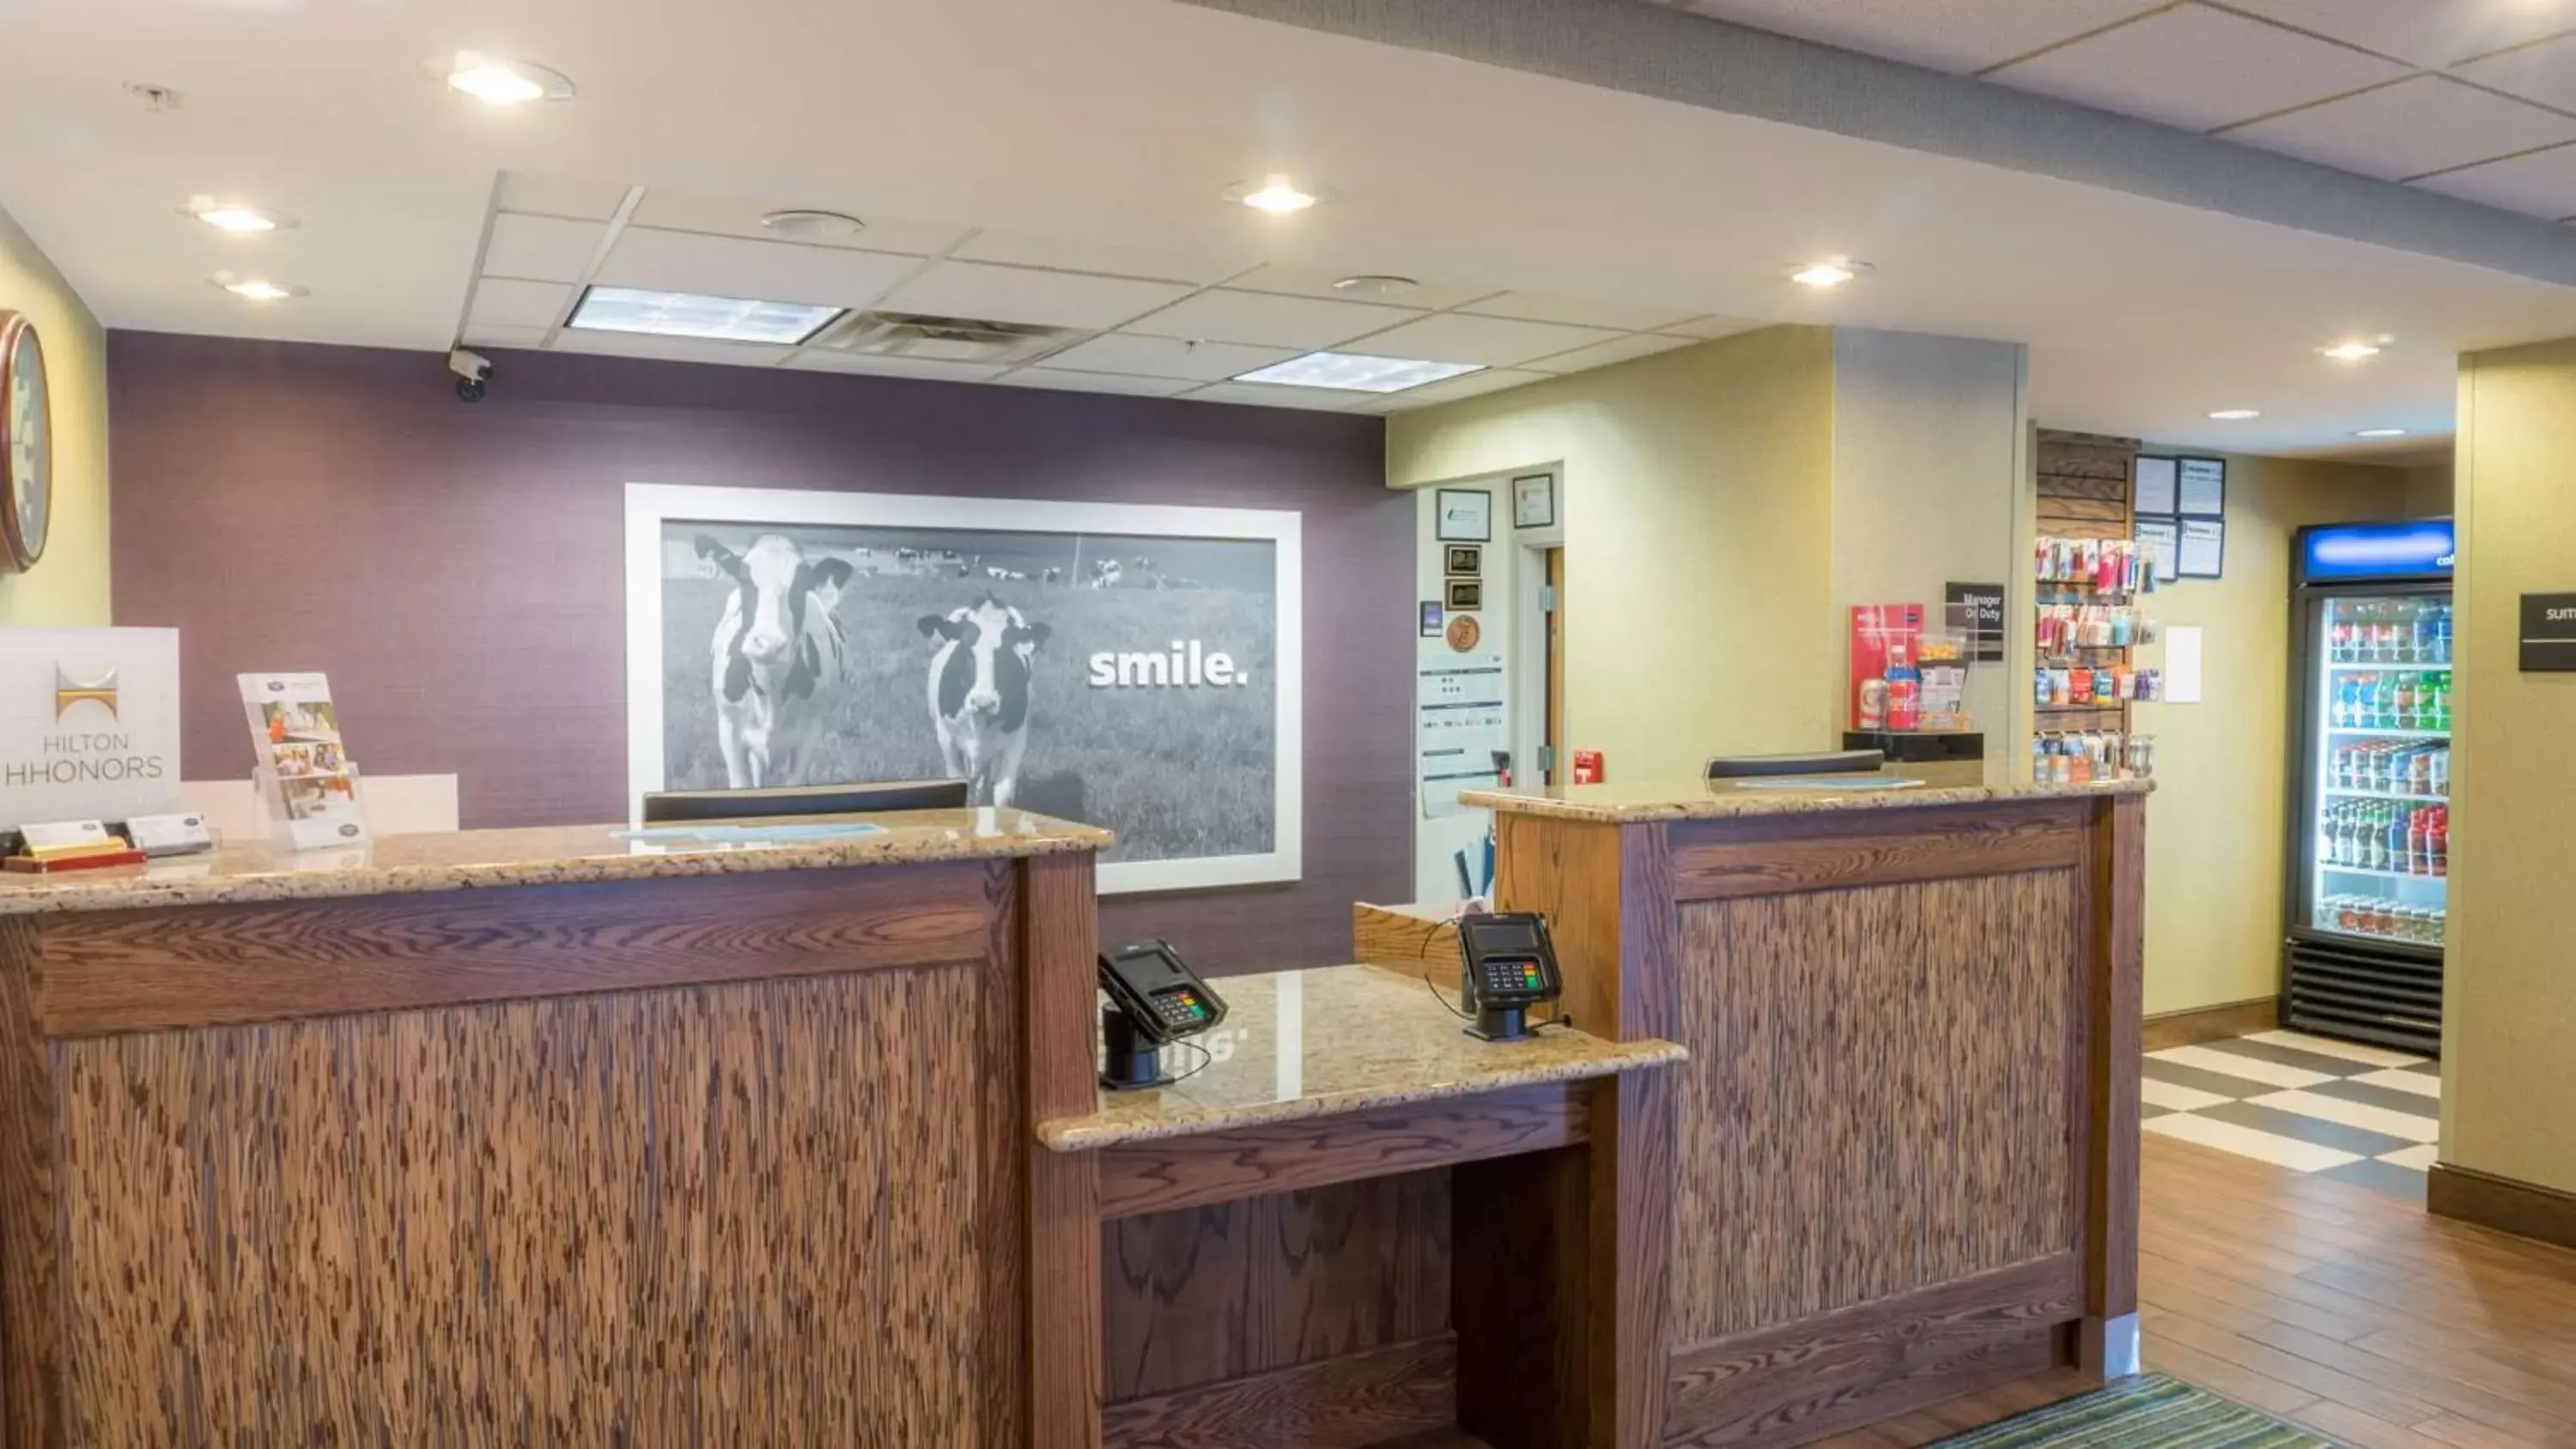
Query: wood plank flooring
[[2331, 1305]]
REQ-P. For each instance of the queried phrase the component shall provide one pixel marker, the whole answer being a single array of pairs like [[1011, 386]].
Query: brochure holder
[[340, 820]]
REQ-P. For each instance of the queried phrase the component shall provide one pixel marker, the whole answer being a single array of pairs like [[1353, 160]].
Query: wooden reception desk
[[540, 1137], [530, 1138], [1901, 1161]]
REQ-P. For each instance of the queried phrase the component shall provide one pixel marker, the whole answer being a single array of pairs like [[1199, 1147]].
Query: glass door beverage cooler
[[2370, 813]]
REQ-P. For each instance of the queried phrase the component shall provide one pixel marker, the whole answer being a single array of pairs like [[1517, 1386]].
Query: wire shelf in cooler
[[2356, 666], [2401, 796], [2388, 734], [2329, 868]]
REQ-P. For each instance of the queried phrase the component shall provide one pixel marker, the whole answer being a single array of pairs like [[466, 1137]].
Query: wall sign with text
[[2549, 633]]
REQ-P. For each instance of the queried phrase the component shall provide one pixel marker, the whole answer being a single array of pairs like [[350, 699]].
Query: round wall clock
[[26, 445]]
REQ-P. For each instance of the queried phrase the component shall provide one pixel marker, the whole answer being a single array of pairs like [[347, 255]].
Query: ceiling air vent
[[942, 339]]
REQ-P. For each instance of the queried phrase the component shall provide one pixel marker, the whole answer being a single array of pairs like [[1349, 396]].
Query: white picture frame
[[650, 507]]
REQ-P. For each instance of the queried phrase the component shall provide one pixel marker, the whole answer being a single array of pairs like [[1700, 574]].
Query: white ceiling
[[1159, 323], [1066, 163], [2473, 98]]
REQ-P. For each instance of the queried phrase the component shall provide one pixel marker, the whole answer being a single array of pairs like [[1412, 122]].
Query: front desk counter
[[534, 1138], [1349, 1222], [1901, 1161]]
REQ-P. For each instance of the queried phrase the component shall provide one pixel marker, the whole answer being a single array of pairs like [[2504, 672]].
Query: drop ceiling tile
[[1268, 319], [1167, 357], [577, 197], [2429, 123], [1539, 307], [1708, 329], [489, 334], [824, 359], [2425, 32], [2542, 183], [499, 302], [1474, 384], [1049, 377], [1602, 354], [1493, 341], [2198, 68], [1952, 35], [992, 293], [1152, 264], [722, 266], [2545, 73], [1272, 395], [730, 216], [541, 248], [1303, 282], [667, 349]]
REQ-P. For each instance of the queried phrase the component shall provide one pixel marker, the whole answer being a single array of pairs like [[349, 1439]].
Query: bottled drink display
[[2383, 782]]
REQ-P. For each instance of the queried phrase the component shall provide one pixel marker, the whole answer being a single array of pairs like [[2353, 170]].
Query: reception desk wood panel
[[1901, 1161], [624, 1160]]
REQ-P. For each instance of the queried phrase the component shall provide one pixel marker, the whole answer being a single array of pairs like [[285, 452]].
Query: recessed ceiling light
[[2381, 433], [1276, 194], [1357, 372], [687, 314], [1829, 272], [233, 216], [498, 82], [2234, 415], [1376, 286], [2353, 351], [807, 224], [257, 289]]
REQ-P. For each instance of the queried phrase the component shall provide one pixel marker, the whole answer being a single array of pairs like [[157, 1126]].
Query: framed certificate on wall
[[1466, 515]]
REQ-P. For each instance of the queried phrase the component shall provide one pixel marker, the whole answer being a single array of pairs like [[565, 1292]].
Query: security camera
[[473, 374]]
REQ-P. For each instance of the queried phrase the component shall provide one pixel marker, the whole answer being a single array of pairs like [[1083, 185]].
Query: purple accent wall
[[458, 570]]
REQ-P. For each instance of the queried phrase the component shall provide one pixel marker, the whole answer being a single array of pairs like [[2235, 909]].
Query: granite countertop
[[1696, 801], [554, 855], [1336, 1039]]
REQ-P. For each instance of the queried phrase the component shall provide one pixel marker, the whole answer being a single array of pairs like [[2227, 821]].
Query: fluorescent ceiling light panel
[[1358, 372], [685, 314]]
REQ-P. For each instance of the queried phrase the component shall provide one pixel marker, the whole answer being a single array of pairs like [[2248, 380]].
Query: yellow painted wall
[[2216, 828], [1698, 524], [68, 586], [2509, 998]]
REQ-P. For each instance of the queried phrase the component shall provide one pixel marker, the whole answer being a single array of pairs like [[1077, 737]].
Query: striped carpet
[[2151, 1412]]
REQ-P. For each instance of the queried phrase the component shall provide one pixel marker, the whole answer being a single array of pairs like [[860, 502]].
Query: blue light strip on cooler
[[2380, 551]]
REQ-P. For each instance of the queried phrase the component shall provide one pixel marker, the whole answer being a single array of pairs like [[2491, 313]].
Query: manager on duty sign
[[89, 724]]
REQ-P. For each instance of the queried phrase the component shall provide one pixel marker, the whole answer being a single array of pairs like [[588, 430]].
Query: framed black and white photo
[[1534, 500], [1466, 515], [1061, 657], [1465, 560], [1465, 595]]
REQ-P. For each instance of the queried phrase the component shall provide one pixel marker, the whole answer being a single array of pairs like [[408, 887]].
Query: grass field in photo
[[1176, 772]]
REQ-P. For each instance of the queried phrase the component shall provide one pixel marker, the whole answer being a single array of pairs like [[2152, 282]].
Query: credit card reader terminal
[[1154, 999], [1506, 965]]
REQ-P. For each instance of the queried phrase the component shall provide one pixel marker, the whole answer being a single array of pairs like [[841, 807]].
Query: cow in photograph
[[979, 693], [781, 663]]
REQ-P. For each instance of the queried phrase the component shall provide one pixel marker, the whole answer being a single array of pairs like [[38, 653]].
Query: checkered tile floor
[[2361, 1114]]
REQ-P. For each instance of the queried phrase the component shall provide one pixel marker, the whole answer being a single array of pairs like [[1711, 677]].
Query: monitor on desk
[[867, 797], [1831, 762]]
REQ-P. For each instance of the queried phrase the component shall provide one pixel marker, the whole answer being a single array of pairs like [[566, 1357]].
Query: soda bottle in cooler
[[2396, 838], [2418, 857], [2437, 842]]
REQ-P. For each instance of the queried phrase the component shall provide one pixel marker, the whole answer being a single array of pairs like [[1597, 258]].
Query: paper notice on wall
[[2182, 665], [1461, 725]]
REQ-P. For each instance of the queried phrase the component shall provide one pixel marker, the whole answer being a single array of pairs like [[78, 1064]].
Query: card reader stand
[[1506, 965], [1129, 1059]]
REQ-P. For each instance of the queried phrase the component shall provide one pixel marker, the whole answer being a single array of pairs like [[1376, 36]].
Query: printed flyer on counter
[[310, 787]]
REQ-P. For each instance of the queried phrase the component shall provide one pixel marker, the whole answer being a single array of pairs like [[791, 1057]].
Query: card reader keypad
[[1180, 1008], [1511, 978]]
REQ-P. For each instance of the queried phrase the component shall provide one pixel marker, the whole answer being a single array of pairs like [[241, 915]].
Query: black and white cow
[[979, 693], [781, 663]]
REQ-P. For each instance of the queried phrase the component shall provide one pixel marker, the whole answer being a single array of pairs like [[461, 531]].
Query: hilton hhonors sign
[[89, 724]]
